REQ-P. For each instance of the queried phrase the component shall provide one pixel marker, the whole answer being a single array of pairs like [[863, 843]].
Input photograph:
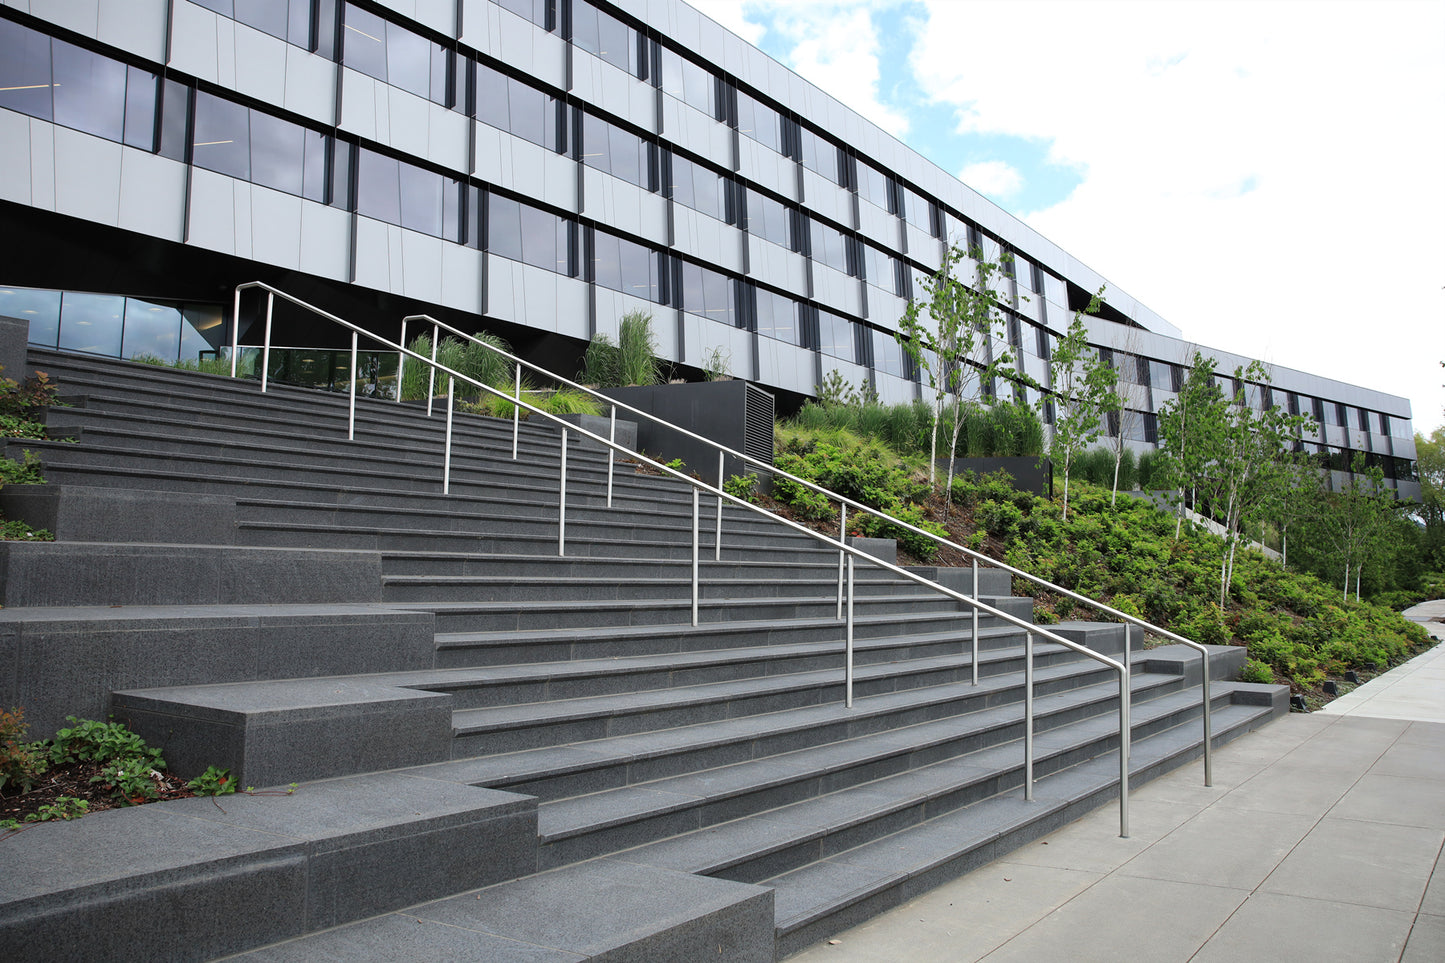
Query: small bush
[[25, 472], [1256, 671], [744, 487], [21, 762]]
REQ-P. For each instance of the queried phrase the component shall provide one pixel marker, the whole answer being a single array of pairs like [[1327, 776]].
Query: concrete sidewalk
[[1320, 840]]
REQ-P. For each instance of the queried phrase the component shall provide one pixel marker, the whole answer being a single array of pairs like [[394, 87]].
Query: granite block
[[79, 514], [270, 733]]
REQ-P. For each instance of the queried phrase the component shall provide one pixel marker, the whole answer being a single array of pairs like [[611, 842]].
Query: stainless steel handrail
[[698, 486], [845, 503]]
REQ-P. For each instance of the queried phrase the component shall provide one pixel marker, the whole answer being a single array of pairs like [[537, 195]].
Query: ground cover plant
[[89, 766], [1299, 630], [22, 406]]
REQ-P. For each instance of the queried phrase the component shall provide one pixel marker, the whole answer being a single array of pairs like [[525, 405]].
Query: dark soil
[[74, 780]]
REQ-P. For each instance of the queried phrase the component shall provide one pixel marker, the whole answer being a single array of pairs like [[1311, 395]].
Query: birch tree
[[953, 332], [1083, 386]]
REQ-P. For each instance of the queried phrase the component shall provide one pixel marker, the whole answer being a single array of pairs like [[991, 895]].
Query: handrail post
[[848, 644], [447, 457], [842, 537], [695, 554], [975, 622], [1208, 728], [611, 452], [351, 402], [1028, 716], [431, 384], [266, 348], [717, 539], [400, 361], [516, 411], [1124, 733], [562, 501], [235, 329]]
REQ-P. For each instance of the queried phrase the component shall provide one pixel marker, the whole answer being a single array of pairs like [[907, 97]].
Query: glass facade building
[[538, 168]]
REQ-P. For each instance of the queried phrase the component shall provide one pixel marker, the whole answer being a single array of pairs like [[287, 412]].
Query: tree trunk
[[1346, 596], [1118, 457]]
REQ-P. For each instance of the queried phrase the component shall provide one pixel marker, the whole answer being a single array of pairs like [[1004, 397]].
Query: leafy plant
[[717, 364], [1256, 671], [64, 807], [21, 762], [744, 487], [14, 530], [25, 472], [215, 781]]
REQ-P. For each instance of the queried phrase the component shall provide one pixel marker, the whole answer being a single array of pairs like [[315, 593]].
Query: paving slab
[[1321, 839]]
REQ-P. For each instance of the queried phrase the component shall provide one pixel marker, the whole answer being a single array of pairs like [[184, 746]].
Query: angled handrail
[[1121, 667], [845, 503]]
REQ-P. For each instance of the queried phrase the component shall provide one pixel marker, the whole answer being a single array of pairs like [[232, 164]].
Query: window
[[770, 220], [288, 20], [612, 150], [602, 34], [508, 104], [922, 213], [830, 247], [521, 232], [881, 270], [57, 81], [836, 337], [821, 156], [1041, 343], [1163, 376], [759, 122], [887, 353], [40, 308], [91, 322], [409, 196], [396, 56], [708, 293], [625, 266], [253, 146], [541, 12], [690, 83], [777, 316], [875, 187], [701, 189]]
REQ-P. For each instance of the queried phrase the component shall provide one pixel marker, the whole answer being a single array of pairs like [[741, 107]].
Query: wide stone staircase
[[503, 752]]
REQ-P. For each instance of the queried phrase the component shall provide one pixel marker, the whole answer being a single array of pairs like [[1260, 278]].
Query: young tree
[[1190, 427], [1130, 399], [1083, 392], [1430, 462], [1356, 518], [952, 333]]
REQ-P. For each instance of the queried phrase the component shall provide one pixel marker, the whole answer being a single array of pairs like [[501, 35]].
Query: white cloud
[[1266, 177], [833, 43], [733, 15], [995, 178]]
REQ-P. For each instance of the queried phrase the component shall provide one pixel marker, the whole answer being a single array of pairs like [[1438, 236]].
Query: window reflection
[[395, 55], [40, 308], [770, 220], [835, 336], [777, 316], [821, 156], [151, 329], [288, 20], [708, 293], [690, 83], [602, 34], [254, 146], [409, 196], [91, 322], [508, 104], [887, 353], [880, 269], [541, 12], [608, 148], [759, 121], [625, 266], [53, 80], [700, 188], [831, 247], [521, 232]]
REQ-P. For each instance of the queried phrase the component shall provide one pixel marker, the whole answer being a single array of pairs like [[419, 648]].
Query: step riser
[[1000, 738], [496, 590], [650, 719]]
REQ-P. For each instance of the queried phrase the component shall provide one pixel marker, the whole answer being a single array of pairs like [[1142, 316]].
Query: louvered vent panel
[[758, 425]]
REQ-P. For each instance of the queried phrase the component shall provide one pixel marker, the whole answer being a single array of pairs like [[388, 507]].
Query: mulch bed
[[74, 780]]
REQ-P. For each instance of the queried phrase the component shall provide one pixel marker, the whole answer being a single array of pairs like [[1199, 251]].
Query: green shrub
[[25, 472], [744, 487], [21, 762], [1256, 671]]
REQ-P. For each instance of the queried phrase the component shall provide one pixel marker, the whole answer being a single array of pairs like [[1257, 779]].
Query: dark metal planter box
[[732, 413], [1030, 473]]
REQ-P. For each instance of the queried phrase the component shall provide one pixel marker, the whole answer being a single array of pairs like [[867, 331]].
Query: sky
[[1268, 175]]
